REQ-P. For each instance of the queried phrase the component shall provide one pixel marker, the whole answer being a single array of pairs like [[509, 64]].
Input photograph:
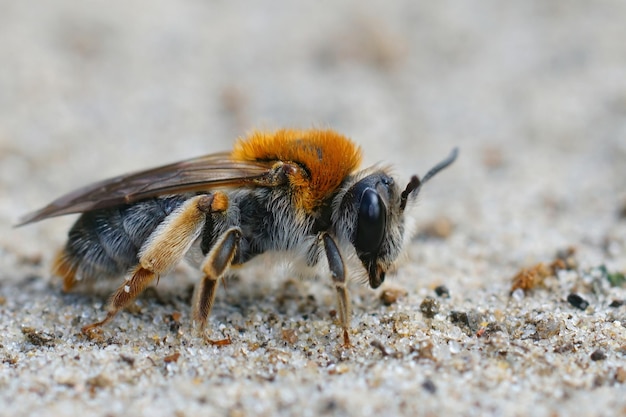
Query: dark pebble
[[616, 303], [598, 355], [442, 291], [577, 301], [459, 317], [429, 386]]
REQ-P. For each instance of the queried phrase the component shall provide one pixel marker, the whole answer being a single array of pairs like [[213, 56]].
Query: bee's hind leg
[[338, 272], [165, 247], [217, 261]]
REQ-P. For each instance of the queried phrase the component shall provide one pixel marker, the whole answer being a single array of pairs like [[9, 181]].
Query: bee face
[[373, 223]]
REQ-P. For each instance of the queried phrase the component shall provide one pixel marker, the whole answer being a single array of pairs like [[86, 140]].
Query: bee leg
[[165, 247], [338, 273], [215, 264]]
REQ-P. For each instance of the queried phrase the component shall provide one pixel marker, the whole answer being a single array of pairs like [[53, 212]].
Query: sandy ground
[[534, 94]]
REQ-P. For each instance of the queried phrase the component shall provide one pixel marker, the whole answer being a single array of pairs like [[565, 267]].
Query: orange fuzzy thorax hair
[[327, 156]]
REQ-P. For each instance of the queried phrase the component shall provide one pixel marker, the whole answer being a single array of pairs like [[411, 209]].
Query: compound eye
[[371, 223]]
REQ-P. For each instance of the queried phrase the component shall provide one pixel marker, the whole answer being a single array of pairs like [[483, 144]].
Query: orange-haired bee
[[296, 192]]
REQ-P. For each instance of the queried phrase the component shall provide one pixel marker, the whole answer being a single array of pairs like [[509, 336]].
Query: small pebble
[[598, 355], [442, 291], [429, 386], [38, 338], [390, 296], [425, 350], [518, 294], [546, 328], [616, 303], [98, 381], [290, 336], [459, 317], [530, 278], [429, 307], [577, 301]]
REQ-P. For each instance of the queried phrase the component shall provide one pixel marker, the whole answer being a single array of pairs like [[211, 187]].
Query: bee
[[297, 193]]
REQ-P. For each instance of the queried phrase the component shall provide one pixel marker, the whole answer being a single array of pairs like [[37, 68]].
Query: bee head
[[371, 220], [371, 217]]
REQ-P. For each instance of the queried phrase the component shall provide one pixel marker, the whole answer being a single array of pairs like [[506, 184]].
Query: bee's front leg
[[338, 273], [215, 264], [165, 247]]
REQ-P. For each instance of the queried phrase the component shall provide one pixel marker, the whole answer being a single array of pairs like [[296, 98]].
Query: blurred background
[[533, 92]]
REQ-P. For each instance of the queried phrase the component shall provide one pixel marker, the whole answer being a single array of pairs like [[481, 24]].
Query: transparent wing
[[197, 174]]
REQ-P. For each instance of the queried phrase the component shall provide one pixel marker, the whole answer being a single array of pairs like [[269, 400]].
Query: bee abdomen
[[105, 243]]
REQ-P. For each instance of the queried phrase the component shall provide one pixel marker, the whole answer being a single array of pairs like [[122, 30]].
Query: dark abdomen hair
[[105, 243]]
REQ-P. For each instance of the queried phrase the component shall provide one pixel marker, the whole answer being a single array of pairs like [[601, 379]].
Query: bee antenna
[[410, 187], [414, 186]]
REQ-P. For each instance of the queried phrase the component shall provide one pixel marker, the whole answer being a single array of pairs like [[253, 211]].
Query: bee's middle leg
[[217, 261], [338, 272], [165, 247]]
